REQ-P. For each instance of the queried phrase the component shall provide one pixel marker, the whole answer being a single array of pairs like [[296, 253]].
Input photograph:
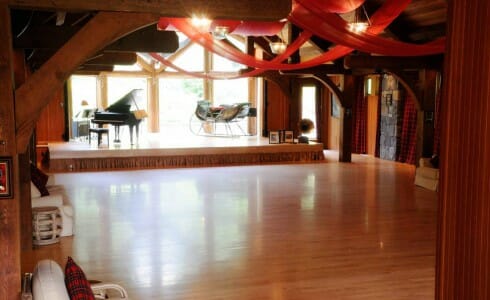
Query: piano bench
[[100, 132]]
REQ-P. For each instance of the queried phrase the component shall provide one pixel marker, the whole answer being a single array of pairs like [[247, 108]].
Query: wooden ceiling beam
[[320, 69], [112, 58], [271, 10], [147, 39], [393, 62], [95, 68]]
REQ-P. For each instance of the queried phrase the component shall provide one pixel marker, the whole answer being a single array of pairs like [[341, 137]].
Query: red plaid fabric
[[408, 138], [77, 284], [359, 115], [437, 124]]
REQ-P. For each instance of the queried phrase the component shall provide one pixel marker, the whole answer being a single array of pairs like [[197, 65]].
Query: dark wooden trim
[[271, 10], [9, 208]]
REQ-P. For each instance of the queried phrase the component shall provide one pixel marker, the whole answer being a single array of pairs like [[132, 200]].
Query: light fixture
[[220, 32], [359, 25], [201, 23], [278, 47]]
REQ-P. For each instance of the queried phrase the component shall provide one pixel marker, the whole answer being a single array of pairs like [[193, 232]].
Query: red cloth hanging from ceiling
[[336, 6], [333, 28], [386, 14]]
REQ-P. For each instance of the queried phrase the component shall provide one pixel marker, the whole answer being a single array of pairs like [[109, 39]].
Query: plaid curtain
[[408, 138], [359, 115], [437, 124]]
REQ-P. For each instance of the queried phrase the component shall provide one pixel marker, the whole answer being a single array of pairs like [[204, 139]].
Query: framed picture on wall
[[334, 107], [5, 178], [274, 137]]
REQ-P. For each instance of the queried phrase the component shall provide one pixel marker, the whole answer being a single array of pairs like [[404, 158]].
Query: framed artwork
[[334, 107], [288, 136], [274, 137], [5, 177]]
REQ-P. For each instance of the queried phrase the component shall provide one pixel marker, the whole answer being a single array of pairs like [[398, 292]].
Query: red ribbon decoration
[[308, 15]]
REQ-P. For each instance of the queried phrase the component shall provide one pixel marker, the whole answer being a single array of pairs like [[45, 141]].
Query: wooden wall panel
[[51, 124], [9, 208], [372, 123], [463, 257], [277, 108]]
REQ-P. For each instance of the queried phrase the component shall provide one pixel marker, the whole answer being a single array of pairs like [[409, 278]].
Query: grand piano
[[124, 111]]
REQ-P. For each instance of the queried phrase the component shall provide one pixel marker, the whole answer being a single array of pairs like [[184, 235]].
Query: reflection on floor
[[295, 231]]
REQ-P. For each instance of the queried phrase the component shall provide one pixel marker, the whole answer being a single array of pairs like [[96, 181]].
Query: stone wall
[[391, 118]]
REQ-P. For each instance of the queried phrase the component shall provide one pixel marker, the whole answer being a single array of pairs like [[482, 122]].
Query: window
[[83, 90], [177, 102], [308, 108]]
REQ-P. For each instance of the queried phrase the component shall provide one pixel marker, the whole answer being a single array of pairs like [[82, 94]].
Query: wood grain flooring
[[331, 230]]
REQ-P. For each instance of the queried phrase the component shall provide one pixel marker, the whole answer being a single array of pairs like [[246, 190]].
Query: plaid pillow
[[39, 179], [77, 284]]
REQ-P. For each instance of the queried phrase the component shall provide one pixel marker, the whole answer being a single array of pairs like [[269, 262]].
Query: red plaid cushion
[[77, 284], [39, 179]]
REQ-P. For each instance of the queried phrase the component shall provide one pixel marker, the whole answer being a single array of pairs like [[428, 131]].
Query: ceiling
[[41, 32]]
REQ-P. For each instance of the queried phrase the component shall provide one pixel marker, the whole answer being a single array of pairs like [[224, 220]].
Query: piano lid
[[134, 100]]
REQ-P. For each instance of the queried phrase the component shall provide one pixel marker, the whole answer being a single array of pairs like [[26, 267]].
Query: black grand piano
[[124, 111]]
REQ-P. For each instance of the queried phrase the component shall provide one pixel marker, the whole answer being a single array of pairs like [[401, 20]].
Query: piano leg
[[116, 134], [131, 134]]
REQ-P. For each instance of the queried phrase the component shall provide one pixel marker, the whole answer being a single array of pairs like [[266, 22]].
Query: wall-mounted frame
[[334, 107], [274, 137], [6, 178]]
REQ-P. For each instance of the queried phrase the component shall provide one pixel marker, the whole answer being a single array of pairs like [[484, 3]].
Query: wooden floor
[[333, 230]]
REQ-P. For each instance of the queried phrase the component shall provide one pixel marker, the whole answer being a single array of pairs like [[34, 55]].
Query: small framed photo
[[274, 137], [288, 136], [5, 178]]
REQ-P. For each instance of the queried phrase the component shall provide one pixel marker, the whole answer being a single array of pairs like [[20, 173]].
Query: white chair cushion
[[48, 282], [35, 193], [50, 200]]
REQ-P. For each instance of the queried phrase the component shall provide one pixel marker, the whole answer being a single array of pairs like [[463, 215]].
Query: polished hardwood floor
[[328, 230]]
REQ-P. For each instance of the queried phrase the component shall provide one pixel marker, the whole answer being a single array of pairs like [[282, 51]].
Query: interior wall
[[51, 124], [276, 107], [372, 123]]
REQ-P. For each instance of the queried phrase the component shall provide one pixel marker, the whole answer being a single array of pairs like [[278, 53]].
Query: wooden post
[[463, 256], [345, 140], [153, 103], [9, 208]]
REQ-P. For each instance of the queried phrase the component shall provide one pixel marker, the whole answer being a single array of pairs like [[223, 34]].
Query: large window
[[84, 91], [117, 87], [177, 102], [230, 91]]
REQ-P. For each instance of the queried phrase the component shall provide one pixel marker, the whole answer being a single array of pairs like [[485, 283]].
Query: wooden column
[[153, 104], [463, 256], [345, 137], [9, 208]]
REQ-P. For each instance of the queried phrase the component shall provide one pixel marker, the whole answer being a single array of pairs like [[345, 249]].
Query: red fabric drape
[[336, 6], [408, 138], [381, 19], [332, 27], [359, 119]]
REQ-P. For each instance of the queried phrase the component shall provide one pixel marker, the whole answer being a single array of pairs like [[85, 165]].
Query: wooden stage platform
[[154, 152]]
